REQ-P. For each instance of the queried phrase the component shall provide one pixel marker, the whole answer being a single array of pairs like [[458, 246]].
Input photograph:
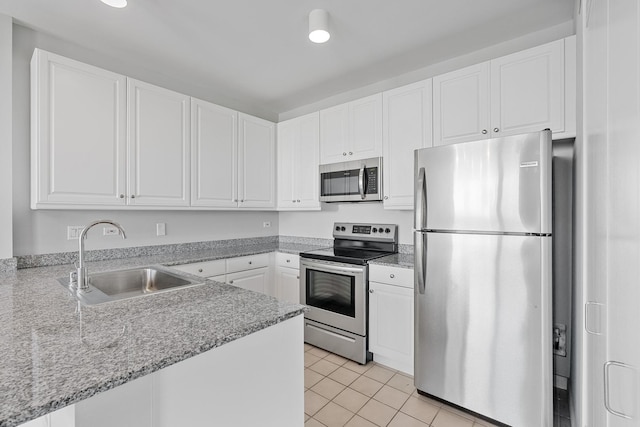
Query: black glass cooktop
[[347, 256]]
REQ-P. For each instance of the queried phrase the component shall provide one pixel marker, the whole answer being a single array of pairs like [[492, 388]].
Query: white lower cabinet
[[288, 277], [391, 317], [254, 280]]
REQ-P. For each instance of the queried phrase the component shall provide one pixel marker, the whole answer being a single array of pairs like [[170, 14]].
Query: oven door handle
[[338, 268]]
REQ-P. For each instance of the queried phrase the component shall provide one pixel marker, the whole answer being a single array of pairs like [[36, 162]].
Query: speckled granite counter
[[55, 352], [395, 260]]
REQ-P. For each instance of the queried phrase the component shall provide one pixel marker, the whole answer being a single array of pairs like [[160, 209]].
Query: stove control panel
[[359, 231]]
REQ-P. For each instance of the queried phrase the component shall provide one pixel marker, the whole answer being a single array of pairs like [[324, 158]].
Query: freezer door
[[483, 325], [494, 185]]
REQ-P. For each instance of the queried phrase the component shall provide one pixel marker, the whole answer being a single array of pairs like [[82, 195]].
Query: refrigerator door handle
[[420, 200], [420, 262]]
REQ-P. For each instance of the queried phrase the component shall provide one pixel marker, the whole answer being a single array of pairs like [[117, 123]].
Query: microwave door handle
[[361, 182]]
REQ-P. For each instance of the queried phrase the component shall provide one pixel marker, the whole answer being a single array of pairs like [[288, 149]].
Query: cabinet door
[[527, 91], [407, 127], [334, 132], [287, 135], [78, 140], [298, 160], [256, 163], [391, 325], [159, 154], [365, 128], [288, 284], [214, 151], [461, 105], [253, 280]]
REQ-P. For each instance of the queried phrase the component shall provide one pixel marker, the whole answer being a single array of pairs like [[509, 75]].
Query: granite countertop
[[395, 260], [56, 352]]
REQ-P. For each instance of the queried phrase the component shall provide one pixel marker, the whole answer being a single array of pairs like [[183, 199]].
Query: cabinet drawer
[[247, 262], [391, 275], [204, 269], [287, 260]]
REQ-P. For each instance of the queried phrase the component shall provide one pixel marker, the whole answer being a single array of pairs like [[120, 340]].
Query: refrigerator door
[[482, 325], [494, 185]]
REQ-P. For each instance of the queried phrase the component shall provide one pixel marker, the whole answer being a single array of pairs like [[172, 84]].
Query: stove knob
[[337, 228], [387, 230], [375, 230], [342, 228]]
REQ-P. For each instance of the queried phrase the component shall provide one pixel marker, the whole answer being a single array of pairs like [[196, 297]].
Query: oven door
[[335, 293]]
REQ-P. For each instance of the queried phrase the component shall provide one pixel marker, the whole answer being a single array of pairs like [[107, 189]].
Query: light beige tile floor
[[339, 392]]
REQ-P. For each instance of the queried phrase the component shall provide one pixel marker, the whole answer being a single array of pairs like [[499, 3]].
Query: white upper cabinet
[[407, 127], [461, 105], [256, 162], [298, 160], [159, 146], [214, 155], [527, 91], [514, 94], [351, 131], [78, 134]]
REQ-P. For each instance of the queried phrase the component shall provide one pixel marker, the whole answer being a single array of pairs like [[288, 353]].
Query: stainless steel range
[[334, 283]]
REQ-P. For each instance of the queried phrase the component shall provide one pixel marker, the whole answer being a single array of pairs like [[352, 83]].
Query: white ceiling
[[257, 51]]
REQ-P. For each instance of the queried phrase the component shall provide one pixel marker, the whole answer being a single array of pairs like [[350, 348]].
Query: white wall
[[320, 224], [6, 238], [41, 231]]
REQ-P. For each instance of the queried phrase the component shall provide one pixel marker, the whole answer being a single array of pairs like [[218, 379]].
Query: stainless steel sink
[[122, 284]]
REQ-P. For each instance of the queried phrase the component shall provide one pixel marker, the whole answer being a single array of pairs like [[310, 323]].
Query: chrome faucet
[[82, 274]]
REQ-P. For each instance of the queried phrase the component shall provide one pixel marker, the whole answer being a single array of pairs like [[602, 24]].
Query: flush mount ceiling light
[[115, 3], [318, 26]]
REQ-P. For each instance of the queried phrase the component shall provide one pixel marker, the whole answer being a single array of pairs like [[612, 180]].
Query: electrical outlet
[[110, 231], [73, 231], [560, 339], [266, 224], [161, 229]]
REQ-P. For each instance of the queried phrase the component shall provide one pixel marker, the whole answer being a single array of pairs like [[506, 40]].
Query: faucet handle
[[73, 278]]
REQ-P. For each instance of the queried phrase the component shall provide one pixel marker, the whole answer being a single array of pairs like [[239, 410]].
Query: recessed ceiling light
[[318, 26], [115, 3]]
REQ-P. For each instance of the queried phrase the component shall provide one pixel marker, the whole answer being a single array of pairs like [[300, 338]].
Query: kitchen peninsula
[[185, 357]]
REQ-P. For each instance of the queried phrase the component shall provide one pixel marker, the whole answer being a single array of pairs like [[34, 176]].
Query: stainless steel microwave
[[354, 181]]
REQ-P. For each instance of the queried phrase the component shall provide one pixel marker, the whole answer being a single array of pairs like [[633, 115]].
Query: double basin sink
[[130, 283]]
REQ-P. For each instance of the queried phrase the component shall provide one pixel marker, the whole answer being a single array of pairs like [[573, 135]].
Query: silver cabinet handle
[[293, 201], [288, 260], [484, 131], [350, 153], [344, 153], [361, 182], [496, 130], [133, 196], [199, 270], [370, 291], [386, 197], [298, 201], [231, 282], [122, 196], [297, 277], [250, 262], [392, 276]]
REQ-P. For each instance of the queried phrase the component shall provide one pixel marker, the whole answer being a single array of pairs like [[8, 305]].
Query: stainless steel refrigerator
[[483, 295]]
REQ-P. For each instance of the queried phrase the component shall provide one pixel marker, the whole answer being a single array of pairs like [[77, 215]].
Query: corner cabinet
[[407, 127], [298, 160], [78, 134], [288, 277], [351, 131], [256, 162], [159, 146], [517, 93], [391, 316]]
